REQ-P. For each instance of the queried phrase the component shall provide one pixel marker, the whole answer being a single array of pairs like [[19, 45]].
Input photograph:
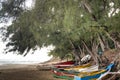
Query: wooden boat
[[64, 64], [64, 77], [92, 75], [89, 69], [64, 74], [76, 68], [83, 68], [69, 69], [68, 73]]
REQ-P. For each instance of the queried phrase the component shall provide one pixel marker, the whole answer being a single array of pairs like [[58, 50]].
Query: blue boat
[[93, 75]]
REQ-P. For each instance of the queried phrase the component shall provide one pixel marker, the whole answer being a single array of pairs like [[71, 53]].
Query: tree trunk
[[81, 51], [91, 53], [107, 45], [89, 9], [116, 43], [77, 56], [101, 43], [95, 51]]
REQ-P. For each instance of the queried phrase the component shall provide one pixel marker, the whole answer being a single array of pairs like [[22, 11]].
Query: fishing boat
[[69, 69], [83, 68], [64, 74], [64, 77], [92, 75], [89, 69], [69, 73], [64, 64]]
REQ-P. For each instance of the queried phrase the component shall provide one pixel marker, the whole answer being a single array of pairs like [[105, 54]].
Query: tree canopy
[[75, 27], [11, 9]]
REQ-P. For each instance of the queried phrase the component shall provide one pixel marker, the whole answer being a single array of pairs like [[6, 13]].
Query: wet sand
[[25, 72]]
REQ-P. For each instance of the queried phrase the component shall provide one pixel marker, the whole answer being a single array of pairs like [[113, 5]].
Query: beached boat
[[69, 73], [89, 69], [64, 64], [69, 69], [64, 77], [62, 72], [58, 70], [92, 75], [83, 68]]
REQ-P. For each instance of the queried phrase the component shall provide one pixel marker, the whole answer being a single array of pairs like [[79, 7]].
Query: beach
[[39, 71], [25, 72]]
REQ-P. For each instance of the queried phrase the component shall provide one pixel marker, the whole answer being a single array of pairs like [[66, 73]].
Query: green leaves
[[58, 21], [11, 9]]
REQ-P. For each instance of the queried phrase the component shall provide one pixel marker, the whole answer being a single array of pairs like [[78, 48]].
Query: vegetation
[[74, 27]]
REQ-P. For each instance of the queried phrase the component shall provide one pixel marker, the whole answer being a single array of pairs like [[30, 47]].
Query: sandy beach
[[30, 72], [25, 72]]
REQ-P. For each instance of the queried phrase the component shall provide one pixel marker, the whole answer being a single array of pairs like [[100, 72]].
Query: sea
[[17, 62]]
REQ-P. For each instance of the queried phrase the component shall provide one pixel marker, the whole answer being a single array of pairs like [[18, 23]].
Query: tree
[[72, 26], [11, 9], [23, 38]]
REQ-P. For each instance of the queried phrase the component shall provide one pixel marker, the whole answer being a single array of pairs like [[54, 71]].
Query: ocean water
[[17, 62]]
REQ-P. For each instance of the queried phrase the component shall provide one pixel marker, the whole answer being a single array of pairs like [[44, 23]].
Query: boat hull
[[93, 75]]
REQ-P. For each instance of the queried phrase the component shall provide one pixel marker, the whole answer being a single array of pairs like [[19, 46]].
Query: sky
[[40, 55]]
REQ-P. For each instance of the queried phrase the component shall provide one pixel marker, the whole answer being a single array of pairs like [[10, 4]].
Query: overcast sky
[[39, 55]]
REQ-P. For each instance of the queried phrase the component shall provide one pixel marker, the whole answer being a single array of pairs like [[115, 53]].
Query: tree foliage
[[72, 26], [11, 9]]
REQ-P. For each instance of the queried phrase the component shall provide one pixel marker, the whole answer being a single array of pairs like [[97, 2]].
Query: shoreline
[[25, 72], [16, 66]]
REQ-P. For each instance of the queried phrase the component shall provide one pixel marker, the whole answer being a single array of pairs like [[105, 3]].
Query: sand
[[25, 72], [28, 72]]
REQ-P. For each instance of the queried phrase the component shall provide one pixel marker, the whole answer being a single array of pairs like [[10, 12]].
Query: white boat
[[89, 69]]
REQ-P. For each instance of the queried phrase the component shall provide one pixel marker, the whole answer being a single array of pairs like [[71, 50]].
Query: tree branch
[[88, 8]]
